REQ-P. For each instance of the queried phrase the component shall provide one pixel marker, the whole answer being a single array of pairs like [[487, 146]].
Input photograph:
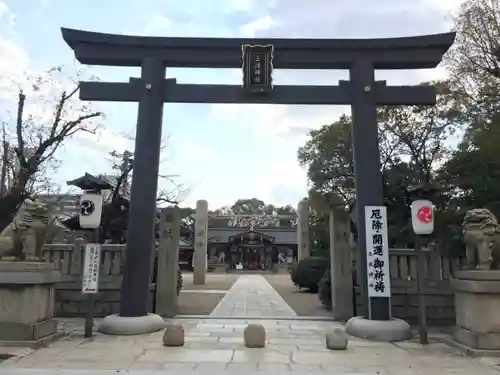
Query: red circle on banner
[[424, 214]]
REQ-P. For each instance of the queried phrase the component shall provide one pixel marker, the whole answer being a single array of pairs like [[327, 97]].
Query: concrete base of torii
[[122, 325], [379, 330]]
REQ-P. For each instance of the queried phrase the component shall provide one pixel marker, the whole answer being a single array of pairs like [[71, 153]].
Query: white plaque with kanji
[[91, 265], [377, 252]]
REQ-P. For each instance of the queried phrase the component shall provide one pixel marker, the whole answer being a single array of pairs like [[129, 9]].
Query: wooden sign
[[257, 65], [377, 252]]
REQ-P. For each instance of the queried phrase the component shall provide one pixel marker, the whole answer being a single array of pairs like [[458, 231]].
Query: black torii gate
[[257, 57]]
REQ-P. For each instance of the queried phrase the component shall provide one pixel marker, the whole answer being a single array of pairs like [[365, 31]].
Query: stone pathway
[[253, 297], [215, 346], [205, 291]]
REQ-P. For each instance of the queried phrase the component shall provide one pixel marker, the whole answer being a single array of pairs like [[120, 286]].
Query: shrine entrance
[[251, 250], [257, 58]]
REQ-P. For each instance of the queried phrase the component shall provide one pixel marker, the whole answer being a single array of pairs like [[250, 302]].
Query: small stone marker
[[336, 339], [174, 335], [254, 336]]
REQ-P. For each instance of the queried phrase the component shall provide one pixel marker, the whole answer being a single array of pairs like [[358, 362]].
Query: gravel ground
[[203, 301], [214, 281], [302, 302]]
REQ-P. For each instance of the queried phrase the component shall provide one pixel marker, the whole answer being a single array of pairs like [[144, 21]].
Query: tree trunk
[[5, 161]]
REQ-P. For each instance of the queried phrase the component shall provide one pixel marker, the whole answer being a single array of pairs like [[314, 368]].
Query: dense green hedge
[[308, 272]]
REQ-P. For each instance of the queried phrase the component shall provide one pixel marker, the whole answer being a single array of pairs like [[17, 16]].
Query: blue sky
[[219, 152]]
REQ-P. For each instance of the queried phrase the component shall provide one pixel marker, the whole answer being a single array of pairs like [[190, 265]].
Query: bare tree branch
[[38, 138]]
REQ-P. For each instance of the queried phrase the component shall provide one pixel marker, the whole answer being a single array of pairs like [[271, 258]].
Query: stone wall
[[69, 299], [439, 293], [440, 303]]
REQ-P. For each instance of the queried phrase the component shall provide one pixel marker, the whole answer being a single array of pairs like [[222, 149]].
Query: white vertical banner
[[377, 252], [91, 266]]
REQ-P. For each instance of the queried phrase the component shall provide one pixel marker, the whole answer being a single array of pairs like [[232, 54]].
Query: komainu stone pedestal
[[27, 303], [477, 310]]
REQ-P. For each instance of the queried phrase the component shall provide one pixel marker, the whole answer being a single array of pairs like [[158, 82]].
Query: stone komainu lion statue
[[24, 237], [482, 239]]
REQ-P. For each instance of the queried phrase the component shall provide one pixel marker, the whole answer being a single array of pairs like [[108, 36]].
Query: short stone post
[[200, 242], [173, 335], [254, 336], [303, 231], [340, 265], [168, 262], [27, 300], [336, 339]]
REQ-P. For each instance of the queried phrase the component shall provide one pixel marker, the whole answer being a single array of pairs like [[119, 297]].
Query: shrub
[[325, 289], [308, 273], [292, 267], [320, 253], [293, 273]]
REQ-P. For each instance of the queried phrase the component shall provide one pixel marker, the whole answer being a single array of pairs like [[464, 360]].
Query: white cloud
[[6, 16], [13, 59], [241, 5], [157, 21], [104, 142], [267, 120], [252, 176], [260, 24], [445, 6], [4, 9], [16, 72], [285, 126], [270, 171]]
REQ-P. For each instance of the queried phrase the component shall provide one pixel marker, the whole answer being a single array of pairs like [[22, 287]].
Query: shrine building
[[250, 242]]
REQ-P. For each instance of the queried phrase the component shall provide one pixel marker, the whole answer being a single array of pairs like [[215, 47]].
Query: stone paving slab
[[306, 318], [252, 295], [216, 347], [205, 291]]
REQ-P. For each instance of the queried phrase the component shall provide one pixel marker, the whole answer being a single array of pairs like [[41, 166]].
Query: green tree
[[470, 178], [474, 60], [321, 204], [283, 210], [255, 206], [418, 134], [473, 172], [412, 141], [248, 206], [327, 155], [187, 223]]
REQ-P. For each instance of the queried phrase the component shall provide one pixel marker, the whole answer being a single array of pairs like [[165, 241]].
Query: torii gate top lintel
[[417, 52]]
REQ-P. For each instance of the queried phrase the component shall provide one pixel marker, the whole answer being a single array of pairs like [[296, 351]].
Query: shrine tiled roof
[[90, 182], [226, 222]]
